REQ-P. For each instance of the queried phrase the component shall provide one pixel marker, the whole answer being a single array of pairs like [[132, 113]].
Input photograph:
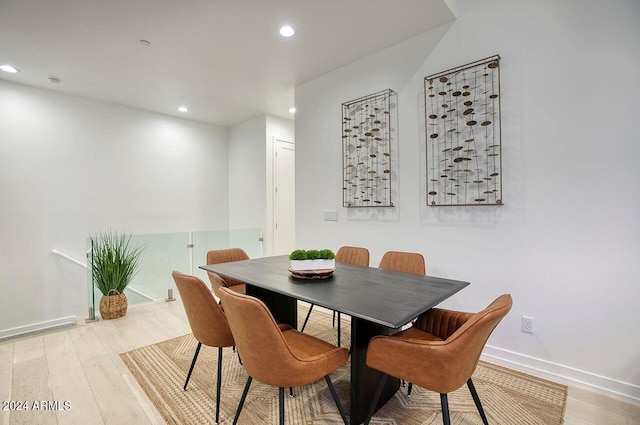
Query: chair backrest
[[264, 351], [206, 318], [229, 255], [353, 255], [408, 262], [464, 347], [216, 283]]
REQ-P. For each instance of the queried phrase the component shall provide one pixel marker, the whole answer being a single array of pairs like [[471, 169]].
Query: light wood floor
[[81, 365]]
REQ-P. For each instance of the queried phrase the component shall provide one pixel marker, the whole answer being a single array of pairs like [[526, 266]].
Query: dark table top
[[384, 297]]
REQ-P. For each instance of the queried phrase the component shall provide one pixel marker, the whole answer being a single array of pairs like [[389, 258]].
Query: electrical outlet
[[527, 324]]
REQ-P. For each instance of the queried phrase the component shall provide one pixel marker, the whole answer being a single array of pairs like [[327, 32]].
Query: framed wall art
[[463, 135], [368, 130]]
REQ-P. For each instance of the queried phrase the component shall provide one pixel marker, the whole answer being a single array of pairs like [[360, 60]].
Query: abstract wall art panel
[[463, 137], [368, 133]]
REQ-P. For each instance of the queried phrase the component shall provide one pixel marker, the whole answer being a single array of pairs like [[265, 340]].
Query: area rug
[[509, 397]]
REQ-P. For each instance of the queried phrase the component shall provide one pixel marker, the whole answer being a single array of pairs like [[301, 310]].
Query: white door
[[284, 198]]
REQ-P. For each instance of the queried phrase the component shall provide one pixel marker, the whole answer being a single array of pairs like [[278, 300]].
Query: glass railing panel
[[204, 241], [247, 239], [162, 254], [166, 252]]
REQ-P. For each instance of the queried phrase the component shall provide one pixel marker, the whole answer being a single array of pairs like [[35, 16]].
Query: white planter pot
[[312, 264]]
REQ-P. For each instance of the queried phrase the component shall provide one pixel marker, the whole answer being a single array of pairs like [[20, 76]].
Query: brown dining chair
[[439, 352], [408, 262], [229, 255], [207, 320], [278, 355], [349, 255]]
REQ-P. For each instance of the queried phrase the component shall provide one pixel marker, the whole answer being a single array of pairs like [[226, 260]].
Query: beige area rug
[[508, 397]]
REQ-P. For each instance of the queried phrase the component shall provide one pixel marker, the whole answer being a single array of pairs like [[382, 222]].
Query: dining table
[[380, 302]]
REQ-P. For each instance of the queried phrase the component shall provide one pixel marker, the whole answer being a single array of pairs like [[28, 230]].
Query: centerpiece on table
[[312, 264]]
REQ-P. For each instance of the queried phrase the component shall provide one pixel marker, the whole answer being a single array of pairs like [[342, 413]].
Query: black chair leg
[[376, 396], [218, 382], [291, 392], [244, 396], [476, 399], [336, 399], [193, 363], [306, 318], [281, 404], [409, 389], [445, 409], [339, 338], [333, 321]]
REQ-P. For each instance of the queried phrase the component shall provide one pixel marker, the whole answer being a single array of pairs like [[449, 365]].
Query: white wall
[[247, 171], [70, 167], [251, 174], [567, 241]]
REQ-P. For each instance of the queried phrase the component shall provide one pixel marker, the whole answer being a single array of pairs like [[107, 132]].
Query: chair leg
[[306, 318], [376, 396], [218, 384], [445, 409], [291, 392], [333, 321], [339, 338], [244, 396], [476, 399], [193, 363], [336, 399], [409, 389], [281, 404]]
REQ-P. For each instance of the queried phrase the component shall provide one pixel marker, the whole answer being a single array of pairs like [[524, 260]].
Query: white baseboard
[[608, 386], [37, 327]]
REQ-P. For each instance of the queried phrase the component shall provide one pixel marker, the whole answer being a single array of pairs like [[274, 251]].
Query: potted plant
[[114, 262], [313, 259]]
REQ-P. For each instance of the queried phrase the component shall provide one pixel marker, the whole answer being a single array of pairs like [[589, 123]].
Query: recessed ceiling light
[[145, 43], [8, 68], [54, 80], [286, 31], [183, 109], [292, 109]]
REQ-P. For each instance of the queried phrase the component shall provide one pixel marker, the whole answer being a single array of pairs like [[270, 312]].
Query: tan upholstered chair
[[349, 255], [218, 256], [353, 255], [207, 320], [275, 354], [408, 262], [440, 352]]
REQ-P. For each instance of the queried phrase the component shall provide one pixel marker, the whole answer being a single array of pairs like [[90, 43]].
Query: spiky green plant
[[114, 260]]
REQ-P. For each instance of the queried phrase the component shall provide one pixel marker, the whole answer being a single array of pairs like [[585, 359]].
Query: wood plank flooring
[[81, 366]]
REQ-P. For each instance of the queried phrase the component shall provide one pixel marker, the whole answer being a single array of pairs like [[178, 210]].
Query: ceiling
[[223, 59]]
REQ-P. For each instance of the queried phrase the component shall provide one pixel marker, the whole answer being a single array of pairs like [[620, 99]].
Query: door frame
[[274, 151]]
